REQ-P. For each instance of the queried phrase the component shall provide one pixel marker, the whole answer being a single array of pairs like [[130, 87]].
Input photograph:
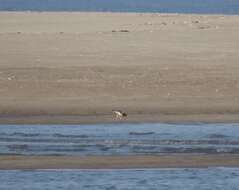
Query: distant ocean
[[163, 6]]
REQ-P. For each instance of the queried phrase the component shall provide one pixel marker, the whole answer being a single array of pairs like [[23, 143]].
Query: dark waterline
[[163, 6]]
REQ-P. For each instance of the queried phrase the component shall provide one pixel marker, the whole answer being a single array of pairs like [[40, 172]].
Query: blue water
[[119, 139], [165, 6], [149, 179]]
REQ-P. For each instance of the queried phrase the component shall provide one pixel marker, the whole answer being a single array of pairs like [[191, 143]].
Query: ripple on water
[[163, 179], [120, 139]]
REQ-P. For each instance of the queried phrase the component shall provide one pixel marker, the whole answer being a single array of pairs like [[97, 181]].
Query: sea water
[[164, 6], [119, 139], [115, 179]]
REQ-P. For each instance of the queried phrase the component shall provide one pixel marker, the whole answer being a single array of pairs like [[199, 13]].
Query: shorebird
[[119, 114]]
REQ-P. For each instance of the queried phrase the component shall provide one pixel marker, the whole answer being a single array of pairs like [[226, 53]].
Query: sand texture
[[77, 67], [108, 162]]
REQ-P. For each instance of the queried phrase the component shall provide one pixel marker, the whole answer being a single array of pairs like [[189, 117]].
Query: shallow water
[[150, 179], [118, 139], [165, 6]]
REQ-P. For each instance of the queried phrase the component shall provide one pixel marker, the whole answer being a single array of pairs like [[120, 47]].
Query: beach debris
[[119, 114], [203, 27], [10, 78], [148, 23], [195, 21], [123, 30]]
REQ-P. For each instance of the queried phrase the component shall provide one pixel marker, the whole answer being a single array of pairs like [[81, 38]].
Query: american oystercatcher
[[119, 114]]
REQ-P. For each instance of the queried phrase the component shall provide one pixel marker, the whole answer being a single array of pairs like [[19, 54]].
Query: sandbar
[[74, 68], [9, 162]]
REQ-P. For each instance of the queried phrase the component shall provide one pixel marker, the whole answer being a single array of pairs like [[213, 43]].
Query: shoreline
[[109, 119], [115, 12], [118, 162]]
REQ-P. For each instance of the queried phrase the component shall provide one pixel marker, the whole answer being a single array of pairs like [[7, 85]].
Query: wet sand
[[121, 162], [77, 67]]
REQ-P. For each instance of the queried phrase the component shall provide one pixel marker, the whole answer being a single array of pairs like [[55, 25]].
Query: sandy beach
[[77, 67], [74, 68], [119, 162]]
